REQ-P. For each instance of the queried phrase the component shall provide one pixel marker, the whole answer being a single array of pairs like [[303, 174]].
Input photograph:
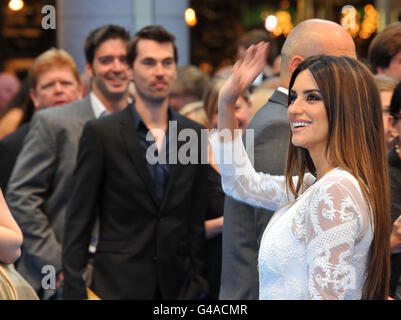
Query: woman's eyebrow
[[310, 91]]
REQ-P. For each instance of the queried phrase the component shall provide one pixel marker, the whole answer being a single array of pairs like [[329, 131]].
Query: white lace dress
[[314, 247]]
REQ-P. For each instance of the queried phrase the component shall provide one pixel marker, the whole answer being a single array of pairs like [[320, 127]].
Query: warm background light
[[16, 5], [370, 22], [271, 23], [284, 24], [190, 17]]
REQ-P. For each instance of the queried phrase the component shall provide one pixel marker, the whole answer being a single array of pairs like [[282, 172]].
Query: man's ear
[[295, 62], [35, 101], [88, 70]]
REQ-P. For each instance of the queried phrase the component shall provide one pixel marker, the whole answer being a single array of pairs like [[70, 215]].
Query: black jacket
[[144, 243]]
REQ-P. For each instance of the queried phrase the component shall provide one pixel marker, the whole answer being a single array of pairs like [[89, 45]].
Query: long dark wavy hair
[[355, 143]]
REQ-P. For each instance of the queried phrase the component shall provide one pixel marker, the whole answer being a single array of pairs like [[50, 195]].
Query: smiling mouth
[[298, 125]]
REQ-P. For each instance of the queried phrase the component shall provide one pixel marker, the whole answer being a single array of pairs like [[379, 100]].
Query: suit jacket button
[[154, 258]]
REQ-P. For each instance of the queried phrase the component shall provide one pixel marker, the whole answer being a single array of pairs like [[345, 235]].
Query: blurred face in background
[[55, 87], [394, 67], [178, 99], [109, 70], [9, 85], [396, 126], [389, 130], [243, 111]]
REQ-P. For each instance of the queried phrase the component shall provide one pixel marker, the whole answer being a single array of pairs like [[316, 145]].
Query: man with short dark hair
[[151, 213], [385, 51], [40, 185]]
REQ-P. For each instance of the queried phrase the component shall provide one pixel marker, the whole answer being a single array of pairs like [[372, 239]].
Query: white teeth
[[300, 124]]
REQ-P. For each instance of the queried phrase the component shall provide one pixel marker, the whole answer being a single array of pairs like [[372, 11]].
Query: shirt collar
[[97, 106], [283, 90]]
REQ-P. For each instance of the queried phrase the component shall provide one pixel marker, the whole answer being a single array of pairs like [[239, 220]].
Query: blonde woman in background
[[12, 285], [243, 105]]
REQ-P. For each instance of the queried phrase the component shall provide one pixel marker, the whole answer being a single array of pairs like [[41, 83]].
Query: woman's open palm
[[245, 71]]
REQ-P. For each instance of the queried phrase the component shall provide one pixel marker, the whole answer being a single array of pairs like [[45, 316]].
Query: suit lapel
[[135, 151], [84, 111]]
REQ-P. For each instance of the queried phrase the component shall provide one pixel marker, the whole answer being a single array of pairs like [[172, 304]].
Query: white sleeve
[[333, 226], [239, 178]]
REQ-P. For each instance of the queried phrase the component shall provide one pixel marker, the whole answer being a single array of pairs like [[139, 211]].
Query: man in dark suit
[[244, 225], [151, 214], [54, 81], [40, 185]]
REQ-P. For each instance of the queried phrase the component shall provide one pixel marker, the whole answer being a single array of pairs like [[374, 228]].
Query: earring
[[397, 146]]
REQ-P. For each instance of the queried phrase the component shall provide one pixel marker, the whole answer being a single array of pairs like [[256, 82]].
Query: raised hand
[[244, 73]]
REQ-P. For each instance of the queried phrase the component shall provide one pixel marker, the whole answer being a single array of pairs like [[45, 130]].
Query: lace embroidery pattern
[[335, 226]]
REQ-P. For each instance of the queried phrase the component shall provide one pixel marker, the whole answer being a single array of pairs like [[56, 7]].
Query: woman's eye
[[313, 97], [293, 97]]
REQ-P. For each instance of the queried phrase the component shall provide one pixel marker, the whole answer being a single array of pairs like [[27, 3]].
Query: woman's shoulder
[[341, 187], [343, 178], [337, 178], [338, 185]]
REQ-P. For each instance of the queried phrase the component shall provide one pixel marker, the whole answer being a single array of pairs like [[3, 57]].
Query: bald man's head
[[314, 37]]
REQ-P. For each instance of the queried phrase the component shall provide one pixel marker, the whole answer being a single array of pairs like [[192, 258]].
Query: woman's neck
[[321, 163]]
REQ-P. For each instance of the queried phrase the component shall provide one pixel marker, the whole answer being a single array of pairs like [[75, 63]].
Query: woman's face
[[307, 114], [242, 109], [242, 112]]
